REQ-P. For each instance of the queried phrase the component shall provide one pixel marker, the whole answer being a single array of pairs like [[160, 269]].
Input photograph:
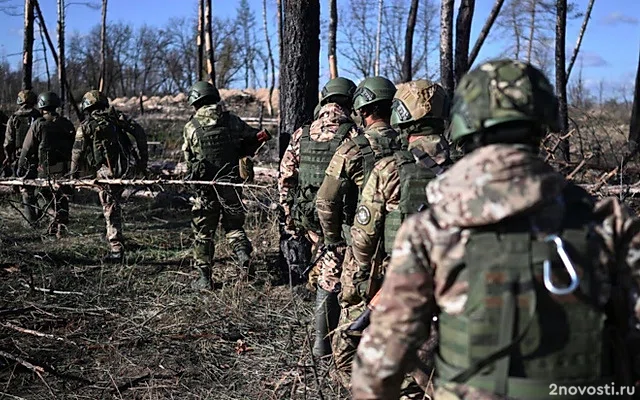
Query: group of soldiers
[[448, 258]]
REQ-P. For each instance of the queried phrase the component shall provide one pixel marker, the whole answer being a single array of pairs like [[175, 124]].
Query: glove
[[263, 136]]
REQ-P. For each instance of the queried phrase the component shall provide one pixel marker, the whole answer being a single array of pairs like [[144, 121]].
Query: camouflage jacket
[[344, 177], [135, 130], [245, 140], [30, 161], [12, 144], [486, 186], [329, 118], [381, 195]]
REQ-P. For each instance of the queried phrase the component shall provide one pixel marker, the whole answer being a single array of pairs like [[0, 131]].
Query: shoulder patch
[[363, 215]]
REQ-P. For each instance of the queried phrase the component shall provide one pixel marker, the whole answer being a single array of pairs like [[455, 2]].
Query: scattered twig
[[36, 333], [35, 368], [50, 291], [122, 182]]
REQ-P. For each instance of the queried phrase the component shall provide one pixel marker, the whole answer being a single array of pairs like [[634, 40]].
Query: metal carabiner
[[567, 265]]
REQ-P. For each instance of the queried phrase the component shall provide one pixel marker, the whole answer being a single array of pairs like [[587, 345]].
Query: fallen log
[[123, 182]]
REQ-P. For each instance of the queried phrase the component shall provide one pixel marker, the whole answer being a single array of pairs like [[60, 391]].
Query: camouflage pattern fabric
[[485, 187], [339, 192], [111, 199], [222, 203], [380, 195], [323, 129], [13, 139], [3, 130]]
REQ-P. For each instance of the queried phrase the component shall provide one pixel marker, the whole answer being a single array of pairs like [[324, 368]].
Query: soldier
[[3, 129], [214, 142], [337, 198], [46, 153], [305, 160], [105, 150], [521, 265], [17, 128], [137, 137], [394, 191]]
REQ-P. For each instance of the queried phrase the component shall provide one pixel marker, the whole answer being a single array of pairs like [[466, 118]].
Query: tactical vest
[[414, 177], [218, 152], [22, 122], [515, 337], [110, 145], [54, 150], [315, 157]]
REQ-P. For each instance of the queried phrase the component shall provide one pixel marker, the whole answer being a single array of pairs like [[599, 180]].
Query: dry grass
[[138, 331]]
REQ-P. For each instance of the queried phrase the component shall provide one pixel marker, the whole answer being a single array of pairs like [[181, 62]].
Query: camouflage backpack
[[535, 311], [314, 160], [110, 144]]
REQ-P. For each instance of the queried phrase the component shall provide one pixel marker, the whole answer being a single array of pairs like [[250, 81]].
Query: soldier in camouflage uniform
[[530, 277], [46, 153], [394, 191], [104, 150], [307, 157], [3, 129], [17, 128], [214, 142], [338, 196]]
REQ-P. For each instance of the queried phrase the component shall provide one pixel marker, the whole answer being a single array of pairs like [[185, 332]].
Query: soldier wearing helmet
[[103, 149], [337, 198], [394, 191], [520, 265], [214, 142], [302, 171], [17, 128], [46, 153]]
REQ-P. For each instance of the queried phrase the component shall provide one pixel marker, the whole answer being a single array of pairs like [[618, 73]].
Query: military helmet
[[93, 99], [202, 90], [371, 90], [502, 91], [26, 97], [337, 87], [418, 100], [48, 100]]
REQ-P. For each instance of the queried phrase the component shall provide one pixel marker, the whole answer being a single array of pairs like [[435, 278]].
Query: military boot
[[204, 280], [114, 257], [327, 313], [30, 212]]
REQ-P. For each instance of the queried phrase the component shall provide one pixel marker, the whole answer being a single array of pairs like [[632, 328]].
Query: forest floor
[[72, 327]]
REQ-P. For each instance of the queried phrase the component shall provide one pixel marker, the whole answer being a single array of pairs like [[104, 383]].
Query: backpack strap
[[424, 159], [368, 156], [344, 129], [306, 133]]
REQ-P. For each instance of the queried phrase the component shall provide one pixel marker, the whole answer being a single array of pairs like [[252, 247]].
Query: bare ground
[[138, 331]]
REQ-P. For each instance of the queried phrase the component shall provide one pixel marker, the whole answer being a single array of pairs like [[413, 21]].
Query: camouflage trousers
[[314, 274], [331, 268], [29, 199], [57, 205], [111, 199], [344, 346], [211, 206]]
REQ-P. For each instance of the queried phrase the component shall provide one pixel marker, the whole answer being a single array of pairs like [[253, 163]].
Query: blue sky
[[609, 51]]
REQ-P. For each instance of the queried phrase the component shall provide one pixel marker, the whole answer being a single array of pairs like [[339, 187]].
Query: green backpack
[[110, 145], [529, 322], [314, 160]]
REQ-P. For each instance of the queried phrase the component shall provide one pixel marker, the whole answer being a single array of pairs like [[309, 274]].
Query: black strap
[[426, 160]]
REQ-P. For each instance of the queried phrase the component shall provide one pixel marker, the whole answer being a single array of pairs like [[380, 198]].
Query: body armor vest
[[54, 150], [22, 122], [218, 152], [315, 157], [414, 177], [515, 337]]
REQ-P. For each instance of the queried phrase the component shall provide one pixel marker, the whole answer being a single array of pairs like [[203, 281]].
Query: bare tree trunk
[[56, 60], [270, 56], [561, 78], [446, 45], [532, 29], [27, 46], [463, 35], [61, 58], [300, 66], [376, 65], [211, 68], [200, 40], [497, 6], [583, 28], [44, 55], [103, 46], [407, 62], [333, 28], [634, 125]]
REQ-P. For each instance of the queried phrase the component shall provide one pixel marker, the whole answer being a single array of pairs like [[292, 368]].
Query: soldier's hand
[[263, 136]]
